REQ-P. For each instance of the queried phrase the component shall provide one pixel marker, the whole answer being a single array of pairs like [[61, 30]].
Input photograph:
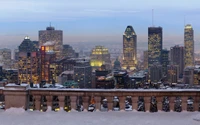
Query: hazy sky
[[97, 20]]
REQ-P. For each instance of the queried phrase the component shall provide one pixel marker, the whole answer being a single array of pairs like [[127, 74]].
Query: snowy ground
[[21, 117]]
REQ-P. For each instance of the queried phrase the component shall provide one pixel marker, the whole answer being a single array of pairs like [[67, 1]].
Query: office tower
[[54, 36], [188, 75], [100, 56], [28, 62], [129, 49], [165, 60], [154, 45], [145, 59], [189, 46], [173, 73], [5, 59], [83, 74], [156, 72], [16, 54], [68, 51], [177, 58], [47, 57]]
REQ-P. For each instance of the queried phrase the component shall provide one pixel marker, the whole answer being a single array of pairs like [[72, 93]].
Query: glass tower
[[189, 45], [154, 45], [129, 49]]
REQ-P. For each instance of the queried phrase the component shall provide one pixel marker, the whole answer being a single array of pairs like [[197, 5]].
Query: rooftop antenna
[[152, 17], [50, 24]]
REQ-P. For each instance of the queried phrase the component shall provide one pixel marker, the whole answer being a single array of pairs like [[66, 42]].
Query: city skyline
[[97, 22]]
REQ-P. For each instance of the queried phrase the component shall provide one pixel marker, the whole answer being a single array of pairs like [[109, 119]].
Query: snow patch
[[15, 111]]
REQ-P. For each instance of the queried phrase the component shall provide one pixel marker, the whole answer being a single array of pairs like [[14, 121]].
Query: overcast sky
[[97, 20]]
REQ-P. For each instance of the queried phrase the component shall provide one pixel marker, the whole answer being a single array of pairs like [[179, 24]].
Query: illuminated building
[[172, 73], [11, 75], [83, 74], [156, 73], [56, 36], [189, 46], [188, 75], [177, 58], [154, 45], [129, 49], [100, 56], [145, 60], [28, 62], [165, 60], [68, 51], [47, 58], [5, 58]]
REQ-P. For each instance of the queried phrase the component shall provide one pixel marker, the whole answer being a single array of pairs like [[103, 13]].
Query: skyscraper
[[189, 45], [28, 62], [129, 49], [156, 72], [173, 73], [55, 36], [177, 57], [154, 45]]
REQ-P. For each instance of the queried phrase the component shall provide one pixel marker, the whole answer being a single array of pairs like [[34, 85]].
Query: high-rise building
[[154, 45], [177, 58], [47, 57], [5, 58], [165, 60], [83, 74], [145, 59], [188, 75], [156, 72], [100, 56], [129, 49], [28, 62], [55, 36], [189, 46], [172, 73]]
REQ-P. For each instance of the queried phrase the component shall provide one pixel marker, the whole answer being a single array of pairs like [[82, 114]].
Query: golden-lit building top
[[100, 56]]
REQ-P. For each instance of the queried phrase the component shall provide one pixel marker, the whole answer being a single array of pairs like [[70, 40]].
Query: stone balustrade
[[19, 98]]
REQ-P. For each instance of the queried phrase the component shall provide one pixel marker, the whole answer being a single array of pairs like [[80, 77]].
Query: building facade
[[165, 60], [83, 74], [156, 73], [28, 62], [5, 58], [52, 35], [100, 56], [172, 73], [189, 46], [177, 58], [154, 45], [129, 49], [188, 75], [47, 57], [145, 59]]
